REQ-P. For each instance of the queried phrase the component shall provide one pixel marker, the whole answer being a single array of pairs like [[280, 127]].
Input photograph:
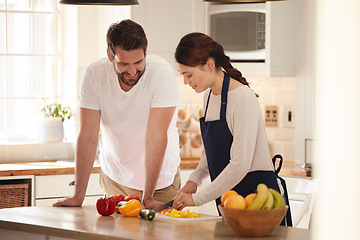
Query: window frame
[[18, 123]]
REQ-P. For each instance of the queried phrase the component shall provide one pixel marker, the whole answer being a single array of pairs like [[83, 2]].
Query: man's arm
[[85, 156], [155, 144]]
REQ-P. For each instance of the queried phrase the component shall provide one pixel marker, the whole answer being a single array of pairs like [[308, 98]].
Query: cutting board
[[204, 217]]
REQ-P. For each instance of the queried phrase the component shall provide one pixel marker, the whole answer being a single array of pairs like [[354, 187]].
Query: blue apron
[[217, 140]]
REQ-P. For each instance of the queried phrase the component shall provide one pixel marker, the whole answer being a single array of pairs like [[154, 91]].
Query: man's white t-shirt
[[124, 118]]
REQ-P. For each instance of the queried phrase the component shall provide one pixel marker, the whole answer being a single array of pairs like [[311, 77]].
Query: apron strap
[[287, 221], [207, 104], [224, 95], [277, 170], [224, 92]]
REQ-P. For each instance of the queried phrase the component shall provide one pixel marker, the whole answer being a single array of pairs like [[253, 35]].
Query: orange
[[235, 201], [249, 198], [226, 195]]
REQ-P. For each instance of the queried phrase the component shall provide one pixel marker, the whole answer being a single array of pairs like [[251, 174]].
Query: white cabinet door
[[50, 188], [166, 22], [89, 200], [305, 121]]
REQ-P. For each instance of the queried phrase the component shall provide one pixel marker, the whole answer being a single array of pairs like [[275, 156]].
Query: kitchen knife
[[164, 206]]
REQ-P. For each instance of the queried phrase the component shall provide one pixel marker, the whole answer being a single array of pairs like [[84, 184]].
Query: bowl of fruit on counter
[[256, 215]]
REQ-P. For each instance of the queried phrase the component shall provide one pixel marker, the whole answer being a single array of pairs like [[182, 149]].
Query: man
[[134, 98]]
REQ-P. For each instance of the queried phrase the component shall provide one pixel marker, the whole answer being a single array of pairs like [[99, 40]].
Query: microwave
[[240, 29]]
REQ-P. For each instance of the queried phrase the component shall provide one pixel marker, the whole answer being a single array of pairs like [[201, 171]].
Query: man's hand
[[150, 203], [68, 202]]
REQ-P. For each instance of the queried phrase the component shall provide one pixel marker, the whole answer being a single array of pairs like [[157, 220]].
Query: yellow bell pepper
[[131, 209]]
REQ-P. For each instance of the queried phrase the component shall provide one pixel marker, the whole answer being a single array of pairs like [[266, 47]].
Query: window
[[29, 61]]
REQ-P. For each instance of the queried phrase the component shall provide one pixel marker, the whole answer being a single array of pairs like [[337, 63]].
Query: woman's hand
[[182, 200], [184, 197], [190, 187]]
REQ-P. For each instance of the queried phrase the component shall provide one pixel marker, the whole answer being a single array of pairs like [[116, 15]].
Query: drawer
[[48, 202], [58, 186]]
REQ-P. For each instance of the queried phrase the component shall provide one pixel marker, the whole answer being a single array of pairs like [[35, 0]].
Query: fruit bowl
[[253, 223]]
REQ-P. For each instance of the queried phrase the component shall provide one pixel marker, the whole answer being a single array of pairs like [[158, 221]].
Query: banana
[[261, 195], [279, 201], [269, 203]]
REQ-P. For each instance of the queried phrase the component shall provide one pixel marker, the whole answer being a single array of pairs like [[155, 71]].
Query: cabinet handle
[[72, 183]]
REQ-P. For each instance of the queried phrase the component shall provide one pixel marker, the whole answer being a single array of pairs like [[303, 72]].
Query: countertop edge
[[289, 168], [52, 231]]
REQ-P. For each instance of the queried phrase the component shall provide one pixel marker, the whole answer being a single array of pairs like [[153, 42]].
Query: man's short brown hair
[[127, 34]]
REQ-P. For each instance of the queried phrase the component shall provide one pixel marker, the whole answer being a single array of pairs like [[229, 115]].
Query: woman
[[236, 152]]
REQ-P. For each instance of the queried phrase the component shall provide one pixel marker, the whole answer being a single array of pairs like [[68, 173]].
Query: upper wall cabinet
[[258, 37], [166, 21]]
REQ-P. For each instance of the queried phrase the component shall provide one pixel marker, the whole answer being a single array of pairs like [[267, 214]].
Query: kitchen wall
[[79, 51]]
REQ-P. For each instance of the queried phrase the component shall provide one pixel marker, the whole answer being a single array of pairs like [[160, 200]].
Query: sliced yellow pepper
[[181, 214]]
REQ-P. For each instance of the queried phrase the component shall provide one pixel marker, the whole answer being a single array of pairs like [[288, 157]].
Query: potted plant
[[56, 110], [51, 126]]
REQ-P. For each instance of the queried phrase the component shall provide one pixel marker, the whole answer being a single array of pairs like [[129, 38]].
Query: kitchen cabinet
[[302, 194], [166, 22], [50, 181], [50, 188], [16, 191], [305, 121]]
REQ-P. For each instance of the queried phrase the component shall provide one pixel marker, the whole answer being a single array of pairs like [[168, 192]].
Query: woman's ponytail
[[221, 60], [196, 48]]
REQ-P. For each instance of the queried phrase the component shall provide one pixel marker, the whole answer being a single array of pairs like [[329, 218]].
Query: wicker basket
[[14, 195]]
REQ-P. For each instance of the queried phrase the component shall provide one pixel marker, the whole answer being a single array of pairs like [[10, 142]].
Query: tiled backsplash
[[279, 91]]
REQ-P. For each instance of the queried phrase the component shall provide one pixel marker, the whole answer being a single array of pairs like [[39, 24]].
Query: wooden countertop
[[39, 168], [289, 168], [85, 223]]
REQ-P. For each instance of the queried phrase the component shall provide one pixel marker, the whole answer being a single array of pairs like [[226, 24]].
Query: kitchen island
[[85, 223]]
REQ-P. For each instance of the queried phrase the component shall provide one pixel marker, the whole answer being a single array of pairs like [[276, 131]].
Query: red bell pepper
[[131, 196], [118, 198], [105, 206]]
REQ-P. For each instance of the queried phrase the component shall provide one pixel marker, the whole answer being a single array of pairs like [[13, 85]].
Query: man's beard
[[123, 77]]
